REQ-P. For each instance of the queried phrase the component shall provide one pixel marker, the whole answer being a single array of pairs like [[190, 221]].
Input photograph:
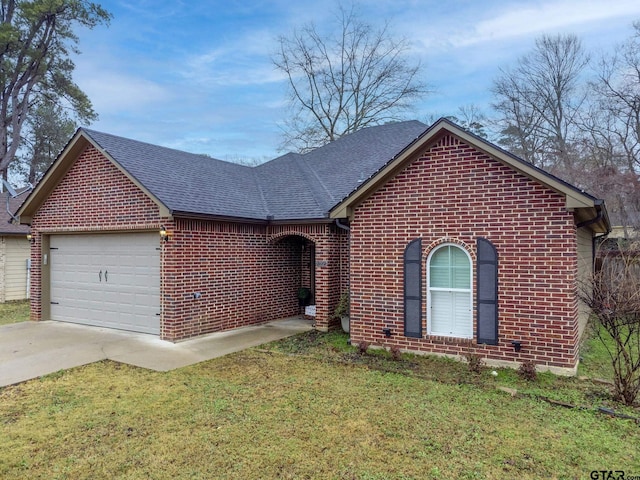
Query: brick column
[[323, 280], [331, 275]]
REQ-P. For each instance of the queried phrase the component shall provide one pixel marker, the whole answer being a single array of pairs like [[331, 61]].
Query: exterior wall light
[[30, 238], [164, 235], [517, 345]]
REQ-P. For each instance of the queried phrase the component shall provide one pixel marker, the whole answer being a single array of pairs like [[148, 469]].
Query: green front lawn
[[13, 312], [309, 407]]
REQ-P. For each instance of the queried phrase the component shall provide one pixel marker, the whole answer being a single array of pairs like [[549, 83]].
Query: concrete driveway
[[32, 349]]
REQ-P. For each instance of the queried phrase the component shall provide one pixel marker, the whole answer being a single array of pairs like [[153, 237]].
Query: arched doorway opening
[[303, 261]]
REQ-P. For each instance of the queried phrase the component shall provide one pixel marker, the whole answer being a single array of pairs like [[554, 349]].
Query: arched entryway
[[304, 261], [322, 259]]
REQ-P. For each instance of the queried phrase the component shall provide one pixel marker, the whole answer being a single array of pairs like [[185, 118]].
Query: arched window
[[449, 302]]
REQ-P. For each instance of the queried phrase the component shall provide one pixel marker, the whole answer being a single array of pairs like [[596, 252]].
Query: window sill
[[449, 340]]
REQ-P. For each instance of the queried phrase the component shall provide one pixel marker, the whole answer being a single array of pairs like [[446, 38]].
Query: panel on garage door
[[107, 280]]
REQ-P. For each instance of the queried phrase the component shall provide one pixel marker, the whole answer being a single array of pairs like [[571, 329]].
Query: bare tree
[[613, 295], [356, 77], [617, 106], [539, 99], [247, 161], [611, 131], [471, 118], [35, 43]]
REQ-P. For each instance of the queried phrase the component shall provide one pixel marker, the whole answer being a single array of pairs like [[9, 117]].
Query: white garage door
[[106, 280]]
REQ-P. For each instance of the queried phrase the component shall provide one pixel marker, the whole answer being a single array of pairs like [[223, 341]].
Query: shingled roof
[[7, 224], [290, 187], [322, 184], [186, 182]]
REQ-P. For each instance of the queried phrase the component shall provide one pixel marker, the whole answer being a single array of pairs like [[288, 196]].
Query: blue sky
[[197, 76]]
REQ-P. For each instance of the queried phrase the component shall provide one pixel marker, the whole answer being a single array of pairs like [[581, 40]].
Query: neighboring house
[[448, 243], [621, 246], [14, 250], [623, 233]]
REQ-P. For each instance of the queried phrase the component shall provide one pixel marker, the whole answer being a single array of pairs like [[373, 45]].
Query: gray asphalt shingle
[[290, 187], [186, 182], [7, 224]]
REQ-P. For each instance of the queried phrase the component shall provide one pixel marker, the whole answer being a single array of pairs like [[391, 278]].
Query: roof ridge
[[155, 145], [309, 168], [263, 198]]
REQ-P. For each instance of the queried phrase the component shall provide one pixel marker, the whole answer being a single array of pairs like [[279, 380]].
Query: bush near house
[[613, 295]]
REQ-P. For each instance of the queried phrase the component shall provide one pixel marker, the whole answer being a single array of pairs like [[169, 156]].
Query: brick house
[[447, 242]]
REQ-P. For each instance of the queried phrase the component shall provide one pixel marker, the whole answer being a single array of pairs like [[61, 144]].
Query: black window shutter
[[487, 288], [413, 289]]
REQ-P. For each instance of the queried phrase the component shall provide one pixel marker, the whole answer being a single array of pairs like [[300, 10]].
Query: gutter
[[599, 216], [268, 220]]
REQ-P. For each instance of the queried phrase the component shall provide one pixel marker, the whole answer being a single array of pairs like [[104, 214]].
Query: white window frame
[[459, 290]]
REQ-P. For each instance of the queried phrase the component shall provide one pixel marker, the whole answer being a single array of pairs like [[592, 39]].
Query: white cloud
[[243, 61], [226, 72], [113, 91], [525, 19]]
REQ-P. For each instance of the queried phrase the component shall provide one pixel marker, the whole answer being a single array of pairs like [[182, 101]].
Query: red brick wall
[[94, 194], [245, 274], [453, 193], [338, 271], [242, 278], [307, 270]]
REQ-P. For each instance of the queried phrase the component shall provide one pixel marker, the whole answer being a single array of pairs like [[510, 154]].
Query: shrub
[[396, 354], [342, 309], [474, 361], [613, 295], [528, 370]]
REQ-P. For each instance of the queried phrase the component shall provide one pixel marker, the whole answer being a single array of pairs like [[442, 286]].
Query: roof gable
[[177, 181], [586, 206], [61, 166]]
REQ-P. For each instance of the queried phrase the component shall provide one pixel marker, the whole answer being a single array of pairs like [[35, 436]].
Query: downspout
[[347, 229], [586, 223], [341, 225]]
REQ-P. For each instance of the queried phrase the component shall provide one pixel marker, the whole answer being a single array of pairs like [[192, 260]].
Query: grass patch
[[13, 312], [333, 347], [595, 361], [306, 407]]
